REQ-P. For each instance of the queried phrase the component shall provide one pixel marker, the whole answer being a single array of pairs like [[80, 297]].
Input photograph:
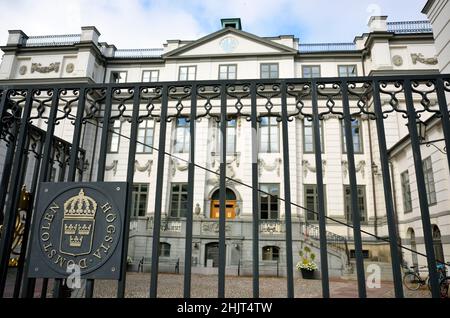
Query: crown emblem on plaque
[[80, 206], [76, 241]]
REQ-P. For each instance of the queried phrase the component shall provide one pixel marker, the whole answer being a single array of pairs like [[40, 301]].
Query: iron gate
[[35, 148]]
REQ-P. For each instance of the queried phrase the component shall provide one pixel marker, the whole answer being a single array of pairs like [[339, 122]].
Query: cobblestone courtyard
[[171, 286]]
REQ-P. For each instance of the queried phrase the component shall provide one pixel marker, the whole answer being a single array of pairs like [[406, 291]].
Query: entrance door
[[212, 252], [230, 205], [230, 209]]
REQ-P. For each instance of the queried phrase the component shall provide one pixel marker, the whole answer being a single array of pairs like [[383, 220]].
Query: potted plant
[[306, 263]]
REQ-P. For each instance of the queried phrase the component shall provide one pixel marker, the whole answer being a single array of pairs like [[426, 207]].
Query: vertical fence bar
[[320, 194], [73, 162], [76, 136], [222, 193], [7, 170], [11, 204], [356, 213], [287, 192], [393, 235], [189, 216], [130, 176], [255, 193], [101, 162], [422, 191], [442, 101], [44, 175], [158, 192], [104, 136], [27, 229]]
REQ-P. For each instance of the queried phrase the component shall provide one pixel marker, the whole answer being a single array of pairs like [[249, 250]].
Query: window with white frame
[[114, 136], [429, 181], [356, 135], [347, 70], [179, 200], [312, 202], [139, 199], [227, 72], [308, 136], [361, 193], [310, 71], [269, 70], [145, 136], [231, 137], [187, 73], [182, 135], [269, 135], [150, 76], [268, 201]]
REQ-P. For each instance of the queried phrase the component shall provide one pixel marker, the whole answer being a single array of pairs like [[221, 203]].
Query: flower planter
[[306, 274]]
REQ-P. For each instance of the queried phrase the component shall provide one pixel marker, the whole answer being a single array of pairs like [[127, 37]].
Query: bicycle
[[412, 279]]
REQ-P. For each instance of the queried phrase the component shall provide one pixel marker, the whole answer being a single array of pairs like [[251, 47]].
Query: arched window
[[271, 253], [164, 249], [437, 244]]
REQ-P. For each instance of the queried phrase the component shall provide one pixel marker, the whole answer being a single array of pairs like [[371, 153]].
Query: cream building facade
[[388, 48]]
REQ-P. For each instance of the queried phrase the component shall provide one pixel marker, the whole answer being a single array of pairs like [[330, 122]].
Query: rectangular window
[[312, 202], [361, 203], [429, 181], [139, 200], [271, 253], [179, 200], [269, 135], [356, 134], [310, 71], [269, 70], [308, 140], [268, 201], [406, 192], [187, 73], [150, 76], [118, 77], [227, 72], [164, 249], [114, 136], [182, 136], [145, 136], [231, 137], [347, 70]]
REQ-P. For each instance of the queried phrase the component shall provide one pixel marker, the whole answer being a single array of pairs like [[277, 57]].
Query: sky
[[149, 23]]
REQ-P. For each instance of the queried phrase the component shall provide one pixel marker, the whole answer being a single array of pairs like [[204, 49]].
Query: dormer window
[[232, 23]]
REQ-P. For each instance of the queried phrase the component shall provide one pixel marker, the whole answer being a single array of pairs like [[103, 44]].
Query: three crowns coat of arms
[[78, 225]]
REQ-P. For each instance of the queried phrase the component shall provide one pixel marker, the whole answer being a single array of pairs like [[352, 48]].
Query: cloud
[[149, 23]]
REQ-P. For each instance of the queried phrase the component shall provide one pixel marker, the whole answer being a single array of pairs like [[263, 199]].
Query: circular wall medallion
[[23, 70], [397, 60], [228, 44], [70, 67]]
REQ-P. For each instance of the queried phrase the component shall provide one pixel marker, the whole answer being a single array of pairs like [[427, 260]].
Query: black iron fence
[[87, 113]]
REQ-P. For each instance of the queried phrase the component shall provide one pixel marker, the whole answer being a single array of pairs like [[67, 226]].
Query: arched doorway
[[230, 204], [212, 254], [437, 244], [412, 237]]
